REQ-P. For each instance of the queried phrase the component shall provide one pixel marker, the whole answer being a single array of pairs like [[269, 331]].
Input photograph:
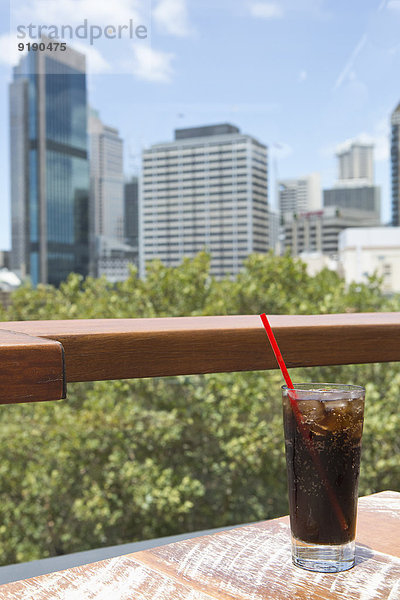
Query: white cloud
[[9, 53], [152, 65], [103, 55], [393, 5], [273, 10], [95, 61], [302, 76], [266, 10], [361, 138], [172, 17], [73, 12], [379, 138]]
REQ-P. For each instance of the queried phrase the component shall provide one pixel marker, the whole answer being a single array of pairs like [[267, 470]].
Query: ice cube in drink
[[333, 425]]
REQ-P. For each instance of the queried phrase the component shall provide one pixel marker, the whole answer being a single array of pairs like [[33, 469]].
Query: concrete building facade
[[364, 198], [367, 251], [395, 164], [106, 179], [317, 232], [354, 189], [301, 194], [131, 220], [207, 190], [110, 254], [355, 162]]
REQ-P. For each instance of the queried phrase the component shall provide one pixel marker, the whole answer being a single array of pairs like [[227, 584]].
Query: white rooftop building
[[300, 194], [364, 251], [9, 281], [114, 258], [356, 163]]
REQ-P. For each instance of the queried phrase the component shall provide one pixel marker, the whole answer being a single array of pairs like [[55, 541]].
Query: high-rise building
[[395, 156], [106, 179], [274, 231], [355, 161], [317, 232], [109, 255], [131, 221], [354, 189], [4, 259], [365, 198], [208, 189], [299, 194], [49, 166]]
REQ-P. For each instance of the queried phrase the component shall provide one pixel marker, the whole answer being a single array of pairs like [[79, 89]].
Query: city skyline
[[302, 78]]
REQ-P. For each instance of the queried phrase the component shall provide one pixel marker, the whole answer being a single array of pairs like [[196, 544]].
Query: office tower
[[299, 194], [4, 259], [49, 166], [365, 198], [355, 161], [106, 179], [131, 222], [115, 256], [354, 188], [395, 157], [110, 255], [274, 230], [205, 190], [318, 231]]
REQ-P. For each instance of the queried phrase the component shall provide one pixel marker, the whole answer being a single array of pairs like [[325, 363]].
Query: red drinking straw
[[302, 425]]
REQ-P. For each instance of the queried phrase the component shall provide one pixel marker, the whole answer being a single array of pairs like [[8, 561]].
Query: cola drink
[[323, 465]]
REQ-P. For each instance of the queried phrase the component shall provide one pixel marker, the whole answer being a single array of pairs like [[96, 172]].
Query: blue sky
[[303, 76]]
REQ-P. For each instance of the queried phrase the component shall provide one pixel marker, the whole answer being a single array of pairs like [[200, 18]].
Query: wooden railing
[[38, 358]]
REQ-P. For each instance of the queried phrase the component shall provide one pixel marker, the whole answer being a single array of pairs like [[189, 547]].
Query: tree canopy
[[129, 460]]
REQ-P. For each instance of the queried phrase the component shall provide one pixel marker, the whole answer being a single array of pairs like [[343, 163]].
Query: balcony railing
[[39, 358]]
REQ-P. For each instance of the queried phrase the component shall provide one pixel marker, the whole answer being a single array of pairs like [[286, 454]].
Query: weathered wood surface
[[31, 368], [251, 562], [127, 348]]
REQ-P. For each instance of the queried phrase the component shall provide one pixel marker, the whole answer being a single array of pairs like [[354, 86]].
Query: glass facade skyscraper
[[49, 166], [395, 156], [131, 222]]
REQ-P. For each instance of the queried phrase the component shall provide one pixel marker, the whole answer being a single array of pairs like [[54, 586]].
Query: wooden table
[[251, 562]]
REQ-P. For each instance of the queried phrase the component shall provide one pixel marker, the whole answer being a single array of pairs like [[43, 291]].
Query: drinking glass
[[323, 425]]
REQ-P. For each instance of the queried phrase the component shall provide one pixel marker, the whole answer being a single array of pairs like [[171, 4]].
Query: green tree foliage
[[129, 460]]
